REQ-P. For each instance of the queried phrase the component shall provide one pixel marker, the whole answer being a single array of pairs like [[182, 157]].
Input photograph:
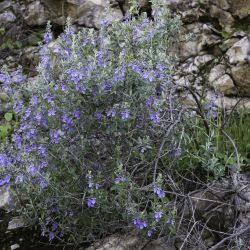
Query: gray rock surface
[[7, 17], [5, 197], [239, 52]]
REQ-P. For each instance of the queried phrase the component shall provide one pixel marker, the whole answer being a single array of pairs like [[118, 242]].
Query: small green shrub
[[84, 159]]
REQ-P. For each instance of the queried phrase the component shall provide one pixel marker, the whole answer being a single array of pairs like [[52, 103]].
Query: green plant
[[10, 44], [7, 127], [84, 154]]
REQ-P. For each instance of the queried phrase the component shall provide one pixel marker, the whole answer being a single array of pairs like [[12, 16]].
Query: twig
[[183, 244], [163, 143], [200, 110], [229, 237]]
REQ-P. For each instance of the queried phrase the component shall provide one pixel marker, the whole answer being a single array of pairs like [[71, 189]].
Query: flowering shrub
[[84, 160]]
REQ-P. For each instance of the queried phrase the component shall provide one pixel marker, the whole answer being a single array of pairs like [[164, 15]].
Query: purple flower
[[44, 58], [54, 136], [159, 192], [158, 215], [51, 236], [90, 184], [47, 37], [91, 202], [61, 233], [75, 75], [105, 21], [54, 226], [168, 219], [212, 113], [44, 122], [34, 100], [42, 150], [17, 76], [148, 76], [43, 184], [148, 102], [111, 113], [139, 223], [155, 101], [18, 106], [106, 86], [30, 134], [5, 180], [66, 118], [176, 152], [160, 66], [4, 78], [136, 68], [155, 117], [32, 170], [119, 179], [27, 113], [49, 98], [77, 114], [47, 220], [150, 232], [53, 210], [119, 74], [38, 117], [125, 114], [19, 179], [98, 116], [51, 112], [4, 161], [18, 140], [68, 213], [211, 107]]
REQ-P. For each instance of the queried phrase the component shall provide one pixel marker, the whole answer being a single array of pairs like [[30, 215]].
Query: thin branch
[[163, 143], [230, 237]]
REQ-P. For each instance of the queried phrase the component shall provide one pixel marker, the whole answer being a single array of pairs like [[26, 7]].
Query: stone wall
[[215, 58]]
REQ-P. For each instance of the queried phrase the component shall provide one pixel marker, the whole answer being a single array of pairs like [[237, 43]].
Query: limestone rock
[[216, 72], [239, 52], [162, 243], [226, 20], [36, 14], [7, 17], [5, 197], [183, 81], [201, 61], [190, 68], [120, 242], [76, 2], [14, 247], [15, 223], [239, 34], [239, 8], [29, 58], [5, 4], [228, 44], [241, 76], [188, 49], [190, 16], [222, 4], [91, 14], [225, 85]]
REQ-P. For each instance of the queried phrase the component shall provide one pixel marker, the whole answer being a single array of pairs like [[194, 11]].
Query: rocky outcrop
[[87, 13], [215, 57]]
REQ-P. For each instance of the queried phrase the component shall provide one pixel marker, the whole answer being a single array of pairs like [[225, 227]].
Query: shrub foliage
[[83, 160]]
